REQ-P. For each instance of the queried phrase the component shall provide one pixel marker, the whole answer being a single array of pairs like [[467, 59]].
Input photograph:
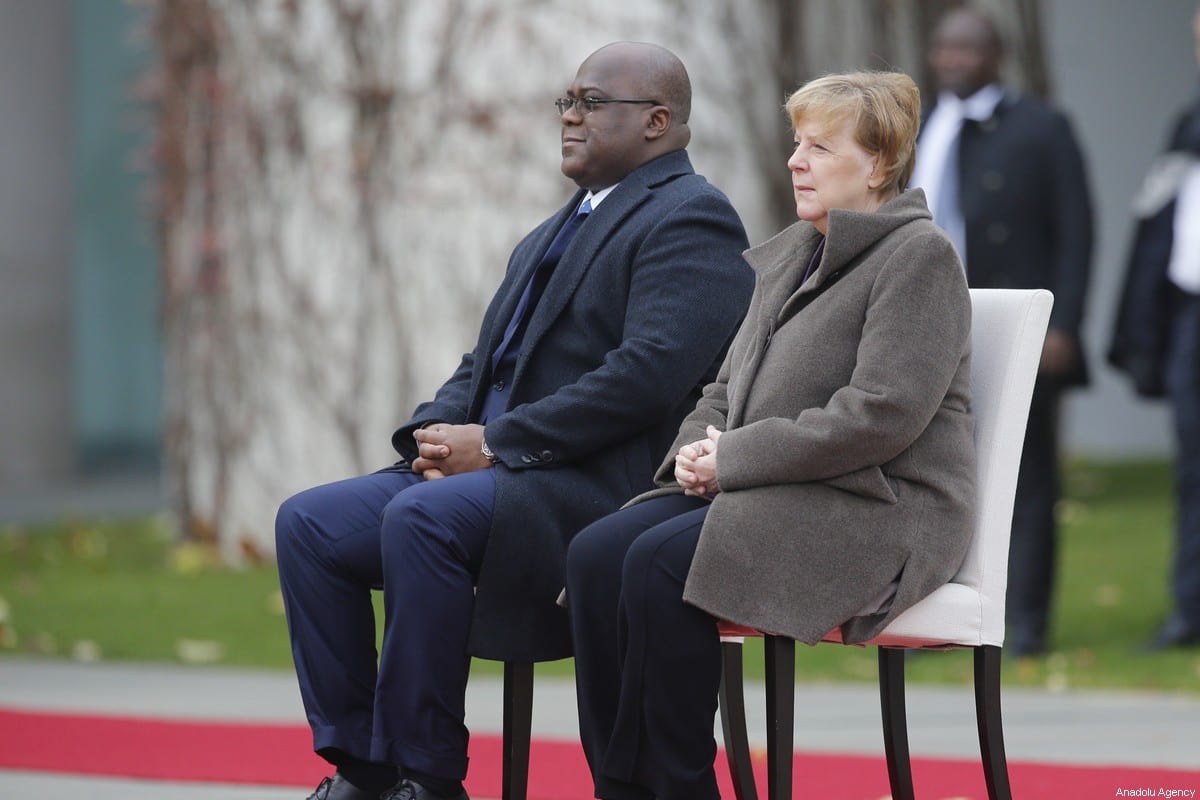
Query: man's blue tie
[[537, 284], [504, 358]]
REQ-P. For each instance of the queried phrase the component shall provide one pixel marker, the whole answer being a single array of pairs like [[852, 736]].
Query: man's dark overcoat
[[634, 321]]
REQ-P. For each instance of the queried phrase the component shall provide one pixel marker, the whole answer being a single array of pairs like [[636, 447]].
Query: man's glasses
[[587, 105]]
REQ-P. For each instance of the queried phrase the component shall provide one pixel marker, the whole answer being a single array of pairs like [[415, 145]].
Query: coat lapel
[[523, 270], [772, 261], [777, 261], [579, 256], [601, 224]]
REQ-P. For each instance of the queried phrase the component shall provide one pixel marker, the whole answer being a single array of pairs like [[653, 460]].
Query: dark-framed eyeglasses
[[587, 105]]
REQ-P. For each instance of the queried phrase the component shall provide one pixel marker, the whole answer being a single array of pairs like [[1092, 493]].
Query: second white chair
[[1007, 331]]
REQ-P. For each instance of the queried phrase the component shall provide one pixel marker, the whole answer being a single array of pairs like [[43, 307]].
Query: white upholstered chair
[[1007, 330]]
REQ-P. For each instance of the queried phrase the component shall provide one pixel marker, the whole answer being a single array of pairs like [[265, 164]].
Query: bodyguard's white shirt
[[937, 150], [1184, 267]]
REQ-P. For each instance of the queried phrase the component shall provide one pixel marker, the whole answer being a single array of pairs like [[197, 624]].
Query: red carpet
[[281, 755]]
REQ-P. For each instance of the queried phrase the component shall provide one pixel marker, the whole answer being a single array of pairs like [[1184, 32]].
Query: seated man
[[611, 316]]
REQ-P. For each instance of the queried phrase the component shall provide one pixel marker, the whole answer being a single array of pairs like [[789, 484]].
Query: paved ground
[[1135, 729], [119, 494], [1139, 729]]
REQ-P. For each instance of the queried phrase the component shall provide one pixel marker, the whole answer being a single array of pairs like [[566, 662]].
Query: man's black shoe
[[1175, 632], [410, 790], [338, 788]]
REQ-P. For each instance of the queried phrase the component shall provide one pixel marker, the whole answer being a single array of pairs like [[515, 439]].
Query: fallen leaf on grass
[[14, 539], [251, 552], [8, 637], [8, 633], [189, 558], [44, 644], [1107, 595], [86, 651], [1068, 511], [199, 651], [87, 544], [1057, 680]]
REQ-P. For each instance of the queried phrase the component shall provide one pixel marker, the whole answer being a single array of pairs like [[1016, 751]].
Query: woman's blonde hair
[[885, 113]]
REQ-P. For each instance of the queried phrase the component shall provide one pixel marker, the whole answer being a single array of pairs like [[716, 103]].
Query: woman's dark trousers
[[647, 664]]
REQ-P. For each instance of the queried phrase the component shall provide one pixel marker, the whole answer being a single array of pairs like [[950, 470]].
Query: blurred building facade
[[79, 333], [80, 336], [1122, 71]]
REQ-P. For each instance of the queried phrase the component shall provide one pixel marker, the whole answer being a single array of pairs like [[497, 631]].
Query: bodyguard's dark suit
[[1028, 213], [1157, 342], [1028, 218], [634, 320], [1142, 332]]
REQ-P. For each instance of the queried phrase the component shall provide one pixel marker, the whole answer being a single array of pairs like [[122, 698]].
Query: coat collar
[[781, 261], [633, 190], [628, 194], [849, 234]]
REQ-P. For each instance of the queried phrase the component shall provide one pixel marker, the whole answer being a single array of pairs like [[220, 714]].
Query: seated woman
[[825, 480]]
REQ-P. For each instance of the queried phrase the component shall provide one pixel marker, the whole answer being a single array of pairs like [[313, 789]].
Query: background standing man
[[1157, 341], [612, 315], [1005, 178]]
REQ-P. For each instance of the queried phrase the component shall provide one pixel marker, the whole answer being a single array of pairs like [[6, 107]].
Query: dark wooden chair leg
[[781, 707], [733, 722], [518, 724], [895, 722], [988, 718]]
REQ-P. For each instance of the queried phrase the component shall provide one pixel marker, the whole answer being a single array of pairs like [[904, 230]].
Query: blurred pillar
[[117, 337], [36, 436]]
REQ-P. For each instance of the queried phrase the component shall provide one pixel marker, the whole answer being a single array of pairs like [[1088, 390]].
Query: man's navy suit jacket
[[634, 321]]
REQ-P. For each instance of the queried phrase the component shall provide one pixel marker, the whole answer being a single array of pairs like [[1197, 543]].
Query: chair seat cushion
[[950, 617]]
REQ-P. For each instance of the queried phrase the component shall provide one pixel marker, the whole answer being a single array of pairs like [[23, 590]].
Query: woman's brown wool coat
[[848, 459]]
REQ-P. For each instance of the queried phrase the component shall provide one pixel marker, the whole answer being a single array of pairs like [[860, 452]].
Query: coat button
[[997, 233], [547, 455], [993, 180], [527, 459], [499, 385]]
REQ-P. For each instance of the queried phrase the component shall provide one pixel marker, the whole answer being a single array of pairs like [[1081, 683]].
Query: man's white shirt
[[937, 170]]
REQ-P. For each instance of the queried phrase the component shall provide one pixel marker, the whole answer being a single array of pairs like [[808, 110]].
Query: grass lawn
[[122, 590]]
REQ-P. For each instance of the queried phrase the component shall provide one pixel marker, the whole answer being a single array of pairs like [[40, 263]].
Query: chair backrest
[[1008, 327]]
